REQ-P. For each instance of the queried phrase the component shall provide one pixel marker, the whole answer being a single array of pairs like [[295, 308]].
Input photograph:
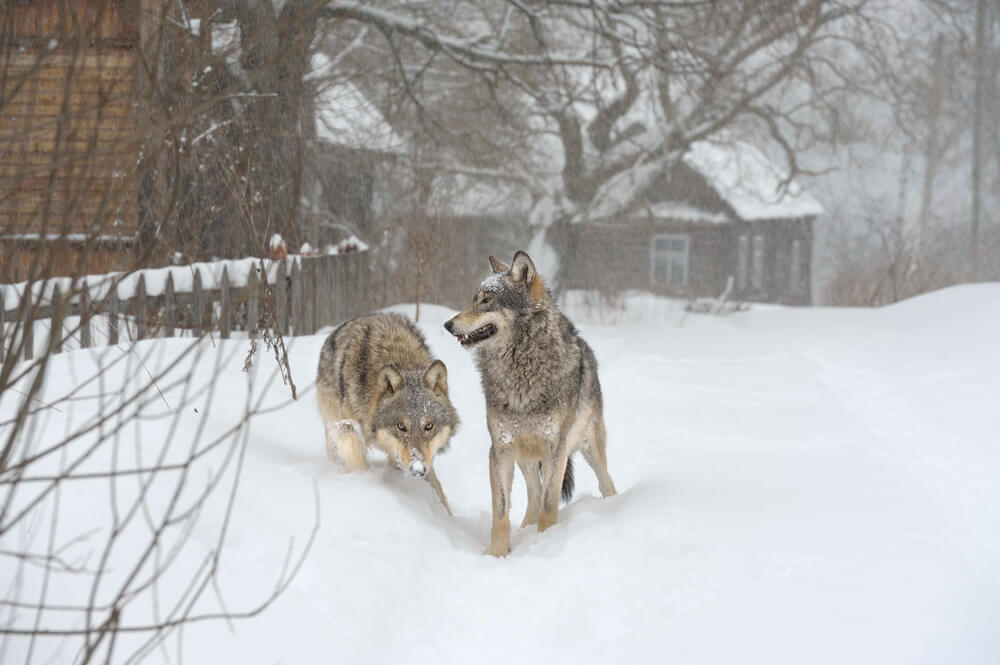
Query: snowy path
[[796, 486]]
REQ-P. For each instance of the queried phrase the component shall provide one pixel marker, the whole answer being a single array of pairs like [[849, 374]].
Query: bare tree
[[979, 111], [922, 123], [103, 478]]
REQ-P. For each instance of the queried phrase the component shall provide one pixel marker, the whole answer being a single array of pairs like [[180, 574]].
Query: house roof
[[684, 212], [743, 177], [750, 183], [346, 117]]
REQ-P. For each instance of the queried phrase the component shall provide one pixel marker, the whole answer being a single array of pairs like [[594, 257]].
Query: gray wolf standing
[[543, 398], [377, 385]]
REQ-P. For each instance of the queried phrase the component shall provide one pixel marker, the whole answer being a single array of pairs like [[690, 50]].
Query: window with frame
[[742, 261], [668, 255], [757, 266]]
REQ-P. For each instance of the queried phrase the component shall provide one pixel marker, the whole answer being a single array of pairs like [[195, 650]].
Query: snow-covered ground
[[796, 486]]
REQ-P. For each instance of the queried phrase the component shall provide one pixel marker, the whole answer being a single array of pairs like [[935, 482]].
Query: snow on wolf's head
[[509, 292], [412, 408]]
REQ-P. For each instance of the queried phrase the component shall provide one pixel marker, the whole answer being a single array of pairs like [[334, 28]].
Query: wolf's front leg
[[345, 442], [501, 478], [432, 478], [553, 470]]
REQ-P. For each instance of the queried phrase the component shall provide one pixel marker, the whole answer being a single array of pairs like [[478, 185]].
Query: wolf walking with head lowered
[[377, 385], [543, 398]]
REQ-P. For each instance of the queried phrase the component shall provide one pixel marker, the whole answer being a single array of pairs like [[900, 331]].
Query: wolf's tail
[[567, 486]]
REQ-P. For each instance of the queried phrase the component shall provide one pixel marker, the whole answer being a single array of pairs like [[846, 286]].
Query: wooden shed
[[68, 148], [724, 212]]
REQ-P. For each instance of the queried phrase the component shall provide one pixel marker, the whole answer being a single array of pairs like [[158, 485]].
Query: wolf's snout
[[449, 325], [417, 468]]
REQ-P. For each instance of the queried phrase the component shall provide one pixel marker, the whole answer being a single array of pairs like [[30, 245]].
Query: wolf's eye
[[486, 300], [428, 427], [401, 427]]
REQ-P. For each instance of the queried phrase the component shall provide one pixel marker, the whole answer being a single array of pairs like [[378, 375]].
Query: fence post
[[343, 286], [319, 286], [340, 289], [344, 295], [358, 276], [84, 315], [114, 304], [367, 283], [324, 293], [252, 293], [56, 320], [140, 308], [296, 309], [225, 304], [315, 284], [169, 307], [197, 307], [350, 287], [280, 295], [309, 296], [332, 297]]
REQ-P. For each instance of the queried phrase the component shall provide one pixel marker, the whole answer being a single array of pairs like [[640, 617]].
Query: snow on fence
[[307, 293]]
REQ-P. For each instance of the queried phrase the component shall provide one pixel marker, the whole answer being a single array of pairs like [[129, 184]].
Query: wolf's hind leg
[[553, 471], [349, 443], [533, 480], [595, 451]]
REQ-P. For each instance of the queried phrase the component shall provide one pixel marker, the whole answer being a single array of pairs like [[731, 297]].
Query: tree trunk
[[930, 154], [977, 135]]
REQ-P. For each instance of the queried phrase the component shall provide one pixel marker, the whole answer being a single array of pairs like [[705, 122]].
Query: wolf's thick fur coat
[[377, 385], [543, 396]]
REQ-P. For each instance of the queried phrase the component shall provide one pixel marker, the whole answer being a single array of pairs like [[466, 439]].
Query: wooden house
[[468, 218], [724, 212], [352, 146], [67, 134], [76, 187]]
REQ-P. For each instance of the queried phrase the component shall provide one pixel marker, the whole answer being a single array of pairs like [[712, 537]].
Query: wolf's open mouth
[[477, 335]]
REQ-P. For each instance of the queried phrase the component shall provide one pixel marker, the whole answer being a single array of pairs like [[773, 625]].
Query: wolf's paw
[[500, 540], [545, 521], [355, 466], [332, 443], [332, 454]]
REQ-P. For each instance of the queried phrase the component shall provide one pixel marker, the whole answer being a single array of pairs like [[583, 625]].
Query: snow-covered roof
[[749, 182], [346, 117], [617, 191], [467, 196], [674, 210], [739, 173]]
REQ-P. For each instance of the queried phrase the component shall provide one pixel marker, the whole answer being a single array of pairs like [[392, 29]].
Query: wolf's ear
[[498, 266], [388, 383], [436, 378], [522, 269]]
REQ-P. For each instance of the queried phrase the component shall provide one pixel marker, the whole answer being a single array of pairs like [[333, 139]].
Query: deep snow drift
[[796, 486]]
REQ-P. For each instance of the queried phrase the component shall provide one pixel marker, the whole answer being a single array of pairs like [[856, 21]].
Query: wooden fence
[[305, 295]]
